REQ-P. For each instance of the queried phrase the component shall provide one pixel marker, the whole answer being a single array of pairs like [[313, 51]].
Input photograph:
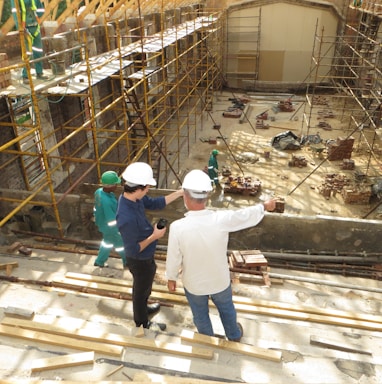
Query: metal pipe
[[324, 282]]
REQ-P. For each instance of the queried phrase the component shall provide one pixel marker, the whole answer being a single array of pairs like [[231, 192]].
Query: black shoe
[[40, 76], [101, 266], [241, 333], [152, 309], [156, 326]]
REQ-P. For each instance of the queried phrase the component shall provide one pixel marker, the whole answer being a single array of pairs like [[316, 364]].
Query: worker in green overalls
[[30, 13], [213, 168], [105, 211]]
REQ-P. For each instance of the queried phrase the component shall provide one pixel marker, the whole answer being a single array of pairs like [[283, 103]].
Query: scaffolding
[[132, 90], [241, 57], [346, 81]]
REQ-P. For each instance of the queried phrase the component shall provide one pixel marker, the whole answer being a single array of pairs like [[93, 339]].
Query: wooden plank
[[232, 346], [172, 297], [238, 259], [72, 360], [111, 338], [19, 312], [323, 319], [68, 342], [36, 381], [7, 265], [94, 335], [305, 309], [144, 377], [248, 302], [340, 346]]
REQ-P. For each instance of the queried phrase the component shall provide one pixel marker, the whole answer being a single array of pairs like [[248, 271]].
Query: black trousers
[[143, 272]]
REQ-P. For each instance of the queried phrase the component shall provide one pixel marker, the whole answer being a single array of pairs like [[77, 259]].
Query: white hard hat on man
[[139, 174], [197, 183]]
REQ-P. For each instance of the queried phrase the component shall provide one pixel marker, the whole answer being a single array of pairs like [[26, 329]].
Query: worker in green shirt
[[105, 210], [30, 13], [213, 168]]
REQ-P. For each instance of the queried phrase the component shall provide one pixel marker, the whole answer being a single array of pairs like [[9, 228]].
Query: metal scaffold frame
[[141, 99], [346, 69]]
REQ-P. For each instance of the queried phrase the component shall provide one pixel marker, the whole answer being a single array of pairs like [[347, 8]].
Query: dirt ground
[[243, 150], [350, 353]]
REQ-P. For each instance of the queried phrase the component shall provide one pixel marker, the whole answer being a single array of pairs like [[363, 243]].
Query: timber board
[[63, 341], [63, 361], [231, 346], [278, 309], [112, 338]]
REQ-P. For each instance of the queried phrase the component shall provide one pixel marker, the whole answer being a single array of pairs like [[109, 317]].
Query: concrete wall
[[286, 39], [276, 232]]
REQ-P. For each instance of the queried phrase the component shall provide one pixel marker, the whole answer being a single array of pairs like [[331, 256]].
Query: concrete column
[[50, 140]]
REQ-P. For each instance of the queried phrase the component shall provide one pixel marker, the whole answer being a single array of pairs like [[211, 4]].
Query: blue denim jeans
[[227, 312]]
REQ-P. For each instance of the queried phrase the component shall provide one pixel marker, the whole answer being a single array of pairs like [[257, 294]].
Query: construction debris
[[348, 164], [324, 125], [237, 108], [261, 125], [333, 184], [285, 105], [341, 149], [298, 161], [352, 192], [242, 185], [325, 114], [286, 140]]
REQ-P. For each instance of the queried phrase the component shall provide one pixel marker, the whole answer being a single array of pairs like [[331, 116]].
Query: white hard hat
[[139, 174], [198, 183]]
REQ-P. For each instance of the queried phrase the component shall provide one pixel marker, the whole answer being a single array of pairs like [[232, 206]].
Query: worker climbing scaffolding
[[30, 13]]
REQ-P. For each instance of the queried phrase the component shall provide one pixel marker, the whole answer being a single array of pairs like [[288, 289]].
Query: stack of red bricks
[[348, 164], [5, 76], [341, 149], [357, 194]]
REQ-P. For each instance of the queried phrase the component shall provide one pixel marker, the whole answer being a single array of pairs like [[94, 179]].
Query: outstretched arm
[[173, 196]]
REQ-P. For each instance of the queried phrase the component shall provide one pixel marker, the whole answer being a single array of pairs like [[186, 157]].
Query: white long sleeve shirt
[[197, 247]]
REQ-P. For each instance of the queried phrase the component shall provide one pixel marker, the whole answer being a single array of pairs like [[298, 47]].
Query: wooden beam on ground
[[143, 377], [63, 361], [232, 346], [308, 309], [257, 307], [63, 341], [340, 346], [93, 287], [91, 336], [322, 319], [19, 312], [7, 265]]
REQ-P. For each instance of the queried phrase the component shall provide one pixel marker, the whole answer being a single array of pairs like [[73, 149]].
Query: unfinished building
[[165, 82], [138, 82]]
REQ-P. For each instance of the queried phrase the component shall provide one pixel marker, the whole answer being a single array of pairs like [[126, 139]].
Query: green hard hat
[[110, 178], [215, 152]]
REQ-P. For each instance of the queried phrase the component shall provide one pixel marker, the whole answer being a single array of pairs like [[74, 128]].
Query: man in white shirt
[[197, 250]]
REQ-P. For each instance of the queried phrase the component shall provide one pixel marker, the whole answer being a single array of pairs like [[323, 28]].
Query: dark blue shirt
[[134, 225]]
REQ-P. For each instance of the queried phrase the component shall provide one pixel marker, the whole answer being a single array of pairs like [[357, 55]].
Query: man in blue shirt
[[139, 236]]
